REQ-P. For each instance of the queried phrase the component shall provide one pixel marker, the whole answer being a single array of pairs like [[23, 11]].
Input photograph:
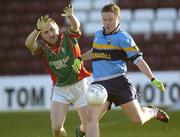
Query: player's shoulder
[[99, 32], [124, 34], [65, 32]]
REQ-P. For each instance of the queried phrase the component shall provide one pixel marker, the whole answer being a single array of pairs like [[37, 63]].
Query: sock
[[79, 133], [153, 112]]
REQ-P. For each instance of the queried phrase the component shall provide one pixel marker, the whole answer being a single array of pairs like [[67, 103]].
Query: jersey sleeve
[[73, 36], [129, 46]]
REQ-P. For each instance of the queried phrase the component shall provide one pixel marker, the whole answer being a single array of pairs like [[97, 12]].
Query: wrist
[[79, 58], [70, 15], [152, 79], [37, 33], [37, 29]]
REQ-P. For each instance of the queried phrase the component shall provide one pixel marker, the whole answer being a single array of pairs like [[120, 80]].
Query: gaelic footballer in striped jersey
[[61, 55], [112, 49]]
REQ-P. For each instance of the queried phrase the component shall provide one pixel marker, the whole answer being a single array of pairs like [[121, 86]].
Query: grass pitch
[[114, 124]]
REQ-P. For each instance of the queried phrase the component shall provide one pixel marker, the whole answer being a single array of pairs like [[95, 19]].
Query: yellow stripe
[[107, 46], [135, 48], [110, 46]]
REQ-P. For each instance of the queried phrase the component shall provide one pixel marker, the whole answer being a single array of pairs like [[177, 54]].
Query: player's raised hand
[[77, 65], [68, 11], [42, 21], [157, 83]]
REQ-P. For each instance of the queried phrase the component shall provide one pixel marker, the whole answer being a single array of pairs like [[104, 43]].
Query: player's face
[[110, 21], [50, 33]]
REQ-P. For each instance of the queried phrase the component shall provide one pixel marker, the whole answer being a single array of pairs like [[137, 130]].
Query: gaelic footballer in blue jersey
[[112, 48]]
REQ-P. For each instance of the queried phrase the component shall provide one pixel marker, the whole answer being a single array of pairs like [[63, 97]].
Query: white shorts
[[71, 94]]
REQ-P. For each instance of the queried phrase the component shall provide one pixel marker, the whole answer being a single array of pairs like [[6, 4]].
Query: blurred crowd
[[161, 49]]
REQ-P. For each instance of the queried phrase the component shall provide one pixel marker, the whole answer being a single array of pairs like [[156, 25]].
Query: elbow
[[78, 26], [75, 28], [27, 43]]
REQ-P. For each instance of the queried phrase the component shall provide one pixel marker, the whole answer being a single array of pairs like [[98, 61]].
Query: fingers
[[65, 10], [63, 15], [42, 21], [162, 87], [70, 5], [76, 68], [158, 84], [79, 67], [45, 18], [68, 11]]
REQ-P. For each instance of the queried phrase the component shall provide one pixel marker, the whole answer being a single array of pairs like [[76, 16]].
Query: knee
[[91, 119]]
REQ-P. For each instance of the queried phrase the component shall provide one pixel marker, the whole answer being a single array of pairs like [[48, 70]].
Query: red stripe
[[83, 73], [74, 35]]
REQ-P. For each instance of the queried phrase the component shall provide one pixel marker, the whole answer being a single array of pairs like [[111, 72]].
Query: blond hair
[[111, 8]]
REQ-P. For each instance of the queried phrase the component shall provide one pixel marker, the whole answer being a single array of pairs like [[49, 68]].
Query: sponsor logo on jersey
[[59, 64], [101, 55]]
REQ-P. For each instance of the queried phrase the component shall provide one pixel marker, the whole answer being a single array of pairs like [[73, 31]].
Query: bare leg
[[93, 116], [58, 115], [137, 114], [82, 112]]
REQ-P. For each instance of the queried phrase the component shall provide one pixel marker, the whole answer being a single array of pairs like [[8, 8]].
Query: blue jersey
[[111, 52]]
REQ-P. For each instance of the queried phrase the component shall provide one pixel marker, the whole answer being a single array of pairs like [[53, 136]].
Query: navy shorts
[[120, 90]]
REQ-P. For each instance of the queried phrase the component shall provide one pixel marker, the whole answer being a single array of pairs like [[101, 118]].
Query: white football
[[96, 95]]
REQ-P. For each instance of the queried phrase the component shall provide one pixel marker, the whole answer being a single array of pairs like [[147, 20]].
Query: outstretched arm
[[68, 12], [77, 62], [143, 66], [87, 55], [30, 42]]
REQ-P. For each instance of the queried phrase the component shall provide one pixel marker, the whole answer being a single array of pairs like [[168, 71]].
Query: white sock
[[153, 112]]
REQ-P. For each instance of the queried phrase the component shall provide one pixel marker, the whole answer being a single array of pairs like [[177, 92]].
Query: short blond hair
[[111, 8]]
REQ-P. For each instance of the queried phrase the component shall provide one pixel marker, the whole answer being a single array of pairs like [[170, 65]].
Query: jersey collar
[[113, 32]]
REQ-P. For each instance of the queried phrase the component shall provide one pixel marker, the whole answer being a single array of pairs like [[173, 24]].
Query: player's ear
[[118, 17]]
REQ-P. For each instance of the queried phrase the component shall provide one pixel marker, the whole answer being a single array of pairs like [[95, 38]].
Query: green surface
[[113, 124]]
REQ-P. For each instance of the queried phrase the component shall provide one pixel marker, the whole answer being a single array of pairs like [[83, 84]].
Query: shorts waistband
[[108, 77]]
